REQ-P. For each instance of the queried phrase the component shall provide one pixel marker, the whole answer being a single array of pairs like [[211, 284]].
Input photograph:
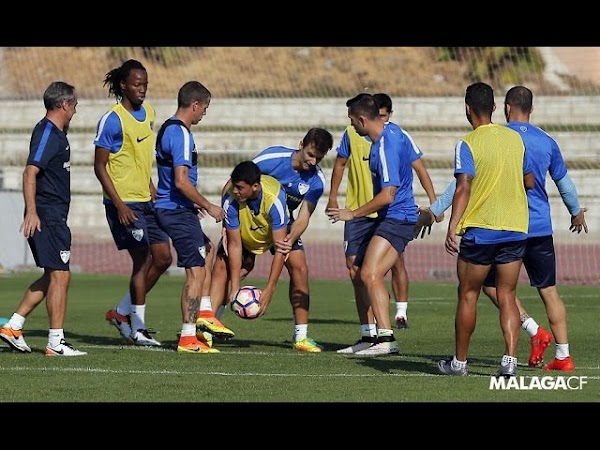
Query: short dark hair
[[384, 101], [246, 171], [363, 104], [520, 97], [190, 92], [320, 138], [480, 97]]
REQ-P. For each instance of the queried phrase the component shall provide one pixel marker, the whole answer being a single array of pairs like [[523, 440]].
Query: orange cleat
[[539, 343], [191, 344], [206, 321], [564, 365]]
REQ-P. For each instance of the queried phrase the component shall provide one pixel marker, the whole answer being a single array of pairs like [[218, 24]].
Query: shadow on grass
[[392, 363]]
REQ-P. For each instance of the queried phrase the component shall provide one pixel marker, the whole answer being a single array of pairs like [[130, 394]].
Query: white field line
[[237, 374]]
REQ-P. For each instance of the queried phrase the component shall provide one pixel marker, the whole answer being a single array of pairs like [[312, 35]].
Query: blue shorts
[[51, 247], [142, 233], [357, 234], [183, 227], [539, 262], [397, 232], [488, 254]]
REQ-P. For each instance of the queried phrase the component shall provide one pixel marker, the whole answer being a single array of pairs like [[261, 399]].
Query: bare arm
[[276, 268], [421, 171], [459, 204], [234, 260], [300, 225], [126, 215], [298, 228], [185, 186], [31, 221], [336, 180], [382, 199], [529, 180]]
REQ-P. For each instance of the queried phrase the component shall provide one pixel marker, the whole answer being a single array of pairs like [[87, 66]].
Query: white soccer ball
[[246, 302]]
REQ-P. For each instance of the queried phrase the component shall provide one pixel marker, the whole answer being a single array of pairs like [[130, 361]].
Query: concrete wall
[[307, 112], [87, 213], [14, 250]]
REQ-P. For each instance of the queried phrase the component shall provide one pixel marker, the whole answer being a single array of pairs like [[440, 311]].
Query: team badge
[[65, 255], [137, 234], [303, 188]]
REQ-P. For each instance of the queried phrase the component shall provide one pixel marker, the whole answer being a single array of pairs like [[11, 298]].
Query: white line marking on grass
[[187, 372], [237, 374]]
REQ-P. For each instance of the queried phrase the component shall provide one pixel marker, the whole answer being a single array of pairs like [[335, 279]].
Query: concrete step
[[411, 112], [84, 181], [234, 146]]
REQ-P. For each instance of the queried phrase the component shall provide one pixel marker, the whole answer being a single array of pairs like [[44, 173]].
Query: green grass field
[[259, 365]]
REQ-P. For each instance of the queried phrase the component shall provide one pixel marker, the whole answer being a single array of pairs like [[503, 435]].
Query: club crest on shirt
[[303, 188], [137, 234], [65, 255]]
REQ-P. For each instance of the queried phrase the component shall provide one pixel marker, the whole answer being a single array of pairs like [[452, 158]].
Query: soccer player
[[353, 152], [124, 153], [540, 256], [255, 218], [391, 165], [47, 195], [489, 211], [302, 179], [176, 206]]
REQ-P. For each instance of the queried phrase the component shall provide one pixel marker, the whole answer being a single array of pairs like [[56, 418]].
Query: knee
[[367, 276], [300, 272], [60, 277], [162, 260]]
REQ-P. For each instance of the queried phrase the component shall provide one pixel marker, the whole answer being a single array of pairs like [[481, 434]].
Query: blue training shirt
[[390, 162], [542, 155], [176, 146], [545, 153], [49, 150], [304, 185]]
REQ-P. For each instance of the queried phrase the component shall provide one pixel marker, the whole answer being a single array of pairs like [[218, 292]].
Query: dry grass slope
[[241, 71]]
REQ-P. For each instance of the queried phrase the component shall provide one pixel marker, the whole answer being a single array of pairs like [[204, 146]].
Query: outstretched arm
[[444, 201], [276, 267], [298, 227], [421, 171], [336, 179], [459, 205]]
